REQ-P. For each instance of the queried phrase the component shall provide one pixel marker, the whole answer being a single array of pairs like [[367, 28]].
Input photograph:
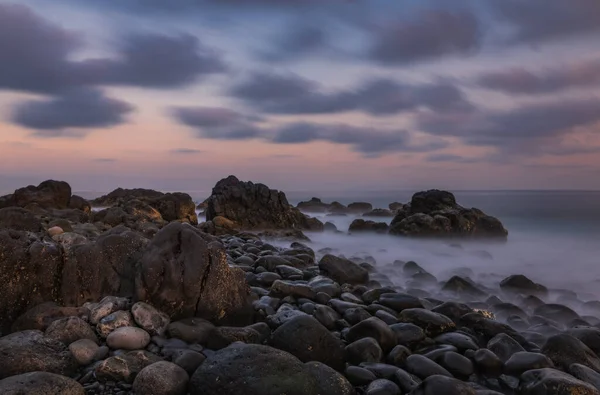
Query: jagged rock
[[436, 213], [255, 206], [361, 225], [521, 284], [183, 273], [379, 212], [314, 205], [48, 194]]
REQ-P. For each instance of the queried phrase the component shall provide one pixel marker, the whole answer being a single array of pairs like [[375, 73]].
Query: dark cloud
[[299, 41], [432, 34], [521, 81], [291, 94], [536, 21], [35, 56], [230, 125], [530, 128], [80, 108], [451, 158], [186, 151]]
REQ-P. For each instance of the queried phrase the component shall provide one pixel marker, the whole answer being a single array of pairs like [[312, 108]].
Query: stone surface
[[553, 382], [150, 319], [68, 330], [128, 338], [84, 351], [40, 383], [343, 270], [161, 378]]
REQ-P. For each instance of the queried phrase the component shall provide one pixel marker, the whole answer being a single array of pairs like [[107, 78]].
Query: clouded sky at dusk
[[301, 94]]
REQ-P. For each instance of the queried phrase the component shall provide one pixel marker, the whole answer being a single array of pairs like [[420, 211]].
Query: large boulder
[[255, 206], [29, 273], [119, 196], [343, 270], [19, 219], [251, 369], [435, 213], [40, 383], [184, 273], [314, 205], [31, 351], [104, 267], [49, 194], [361, 225]]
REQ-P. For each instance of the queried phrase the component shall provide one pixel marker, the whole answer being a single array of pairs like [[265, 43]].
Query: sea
[[554, 239]]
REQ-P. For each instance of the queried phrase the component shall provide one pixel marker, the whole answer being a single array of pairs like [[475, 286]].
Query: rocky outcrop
[[49, 194], [184, 273], [361, 225], [255, 206], [314, 205], [435, 213]]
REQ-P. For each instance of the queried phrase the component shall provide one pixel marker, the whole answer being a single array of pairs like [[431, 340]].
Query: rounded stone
[[84, 351], [161, 378], [150, 319], [70, 329], [40, 383], [113, 321], [128, 338], [55, 230]]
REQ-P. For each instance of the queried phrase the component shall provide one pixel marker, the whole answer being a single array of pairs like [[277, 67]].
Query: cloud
[[186, 151], [528, 129], [521, 81], [432, 34], [79, 108], [538, 21], [300, 40], [105, 160], [291, 94], [230, 125], [36, 56], [436, 158]]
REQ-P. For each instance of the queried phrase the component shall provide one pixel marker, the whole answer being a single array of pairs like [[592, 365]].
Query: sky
[[302, 95]]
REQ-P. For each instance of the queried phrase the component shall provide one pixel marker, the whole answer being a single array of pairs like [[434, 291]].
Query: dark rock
[[308, 340], [40, 383], [382, 387], [161, 378], [361, 225], [326, 316], [41, 316], [330, 227], [553, 382], [113, 321], [439, 384], [250, 369], [588, 335], [398, 355], [343, 270], [191, 330], [504, 346], [386, 317], [462, 288], [452, 310], [223, 336], [406, 381], [375, 328], [586, 374], [424, 367], [48, 194], [487, 328], [556, 312], [408, 334], [379, 212], [19, 219], [459, 366], [255, 206], [565, 350], [68, 330], [461, 341], [433, 324], [30, 351], [359, 376], [330, 381], [521, 284], [356, 315], [522, 361], [488, 363], [364, 350], [125, 367], [360, 207], [281, 288], [400, 301], [148, 318], [84, 351], [198, 281], [189, 360]]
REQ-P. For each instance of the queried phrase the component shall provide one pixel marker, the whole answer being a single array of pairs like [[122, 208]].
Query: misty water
[[553, 239]]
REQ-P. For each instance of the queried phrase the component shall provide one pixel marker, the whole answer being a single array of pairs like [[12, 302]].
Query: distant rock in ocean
[[435, 213]]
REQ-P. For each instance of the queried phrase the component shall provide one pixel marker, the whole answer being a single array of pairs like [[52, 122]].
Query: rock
[[395, 206], [437, 384], [452, 310], [251, 369], [487, 328], [281, 288], [556, 312], [84, 351], [107, 306], [48, 194], [30, 351], [128, 338], [199, 281], [176, 207], [191, 330], [68, 330], [19, 219], [407, 334], [343, 270], [124, 367], [360, 207], [41, 316], [432, 323], [462, 288], [424, 367], [375, 328], [330, 381], [189, 360], [553, 382], [330, 227], [565, 350], [521, 284], [40, 383], [364, 350], [436, 213], [359, 376], [223, 336], [522, 361], [400, 301], [382, 387], [113, 321], [78, 203], [586, 374], [379, 212], [314, 205], [55, 231], [308, 340], [504, 346], [589, 336], [488, 363], [459, 366], [459, 340], [148, 318], [361, 225], [398, 355], [161, 378], [255, 206]]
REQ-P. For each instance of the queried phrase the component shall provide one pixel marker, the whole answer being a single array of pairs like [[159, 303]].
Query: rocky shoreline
[[139, 297]]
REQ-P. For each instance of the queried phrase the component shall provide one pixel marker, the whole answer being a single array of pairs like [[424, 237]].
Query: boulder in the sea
[[48, 194], [343, 270], [361, 225], [255, 206]]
